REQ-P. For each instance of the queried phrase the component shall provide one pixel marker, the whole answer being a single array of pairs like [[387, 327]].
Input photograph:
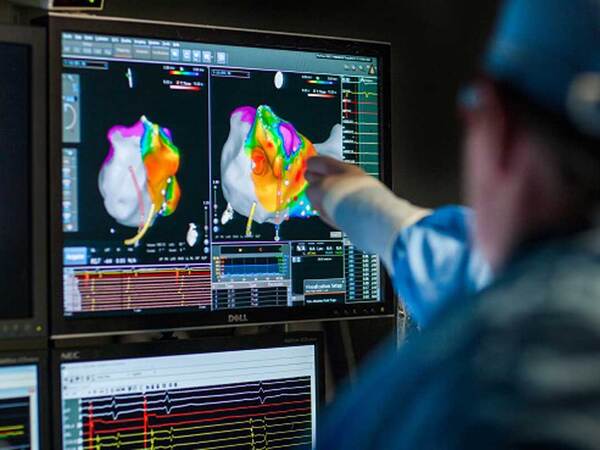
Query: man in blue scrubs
[[515, 366]]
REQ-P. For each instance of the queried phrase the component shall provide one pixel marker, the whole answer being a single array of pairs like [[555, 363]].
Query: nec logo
[[237, 318], [69, 356]]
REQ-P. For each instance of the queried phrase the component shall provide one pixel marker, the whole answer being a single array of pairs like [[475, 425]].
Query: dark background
[[436, 45], [290, 105], [107, 101]]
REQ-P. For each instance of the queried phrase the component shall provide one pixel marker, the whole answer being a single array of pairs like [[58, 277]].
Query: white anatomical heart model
[[137, 179]]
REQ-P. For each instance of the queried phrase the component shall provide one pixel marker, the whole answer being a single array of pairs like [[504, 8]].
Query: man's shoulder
[[538, 347], [561, 279]]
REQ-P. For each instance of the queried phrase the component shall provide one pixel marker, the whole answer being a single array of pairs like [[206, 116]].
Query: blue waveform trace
[[251, 269]]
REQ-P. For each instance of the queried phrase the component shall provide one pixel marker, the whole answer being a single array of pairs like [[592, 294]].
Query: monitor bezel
[[34, 326], [38, 358], [84, 353], [63, 327]]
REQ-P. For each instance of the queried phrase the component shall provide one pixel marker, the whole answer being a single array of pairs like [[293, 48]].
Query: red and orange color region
[[161, 159], [279, 154]]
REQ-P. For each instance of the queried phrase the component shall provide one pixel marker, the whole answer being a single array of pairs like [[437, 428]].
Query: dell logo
[[237, 318]]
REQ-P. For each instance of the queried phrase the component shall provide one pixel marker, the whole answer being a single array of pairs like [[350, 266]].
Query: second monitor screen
[[183, 175], [235, 399]]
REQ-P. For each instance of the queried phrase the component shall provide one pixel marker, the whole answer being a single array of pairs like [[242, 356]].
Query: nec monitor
[[23, 402], [22, 183], [230, 394], [178, 175]]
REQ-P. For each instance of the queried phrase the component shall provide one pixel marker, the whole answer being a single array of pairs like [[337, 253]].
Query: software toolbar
[[78, 45]]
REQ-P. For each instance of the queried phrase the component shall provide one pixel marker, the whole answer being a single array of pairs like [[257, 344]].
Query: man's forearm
[[371, 215]]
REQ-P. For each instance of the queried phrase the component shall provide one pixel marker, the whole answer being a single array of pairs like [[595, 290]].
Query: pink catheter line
[[139, 195]]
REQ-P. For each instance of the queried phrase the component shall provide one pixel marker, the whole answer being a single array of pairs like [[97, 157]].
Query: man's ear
[[499, 123]]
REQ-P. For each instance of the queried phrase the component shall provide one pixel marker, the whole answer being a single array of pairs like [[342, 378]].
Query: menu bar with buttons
[[94, 46]]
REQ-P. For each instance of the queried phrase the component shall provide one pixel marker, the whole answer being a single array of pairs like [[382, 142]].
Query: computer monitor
[[23, 252], [178, 158], [23, 392], [250, 393]]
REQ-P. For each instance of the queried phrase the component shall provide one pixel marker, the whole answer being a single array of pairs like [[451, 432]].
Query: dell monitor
[[177, 175], [255, 393], [23, 401], [23, 229]]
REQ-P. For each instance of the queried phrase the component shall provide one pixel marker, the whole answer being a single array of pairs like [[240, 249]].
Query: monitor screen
[[19, 407], [182, 173], [23, 191], [15, 157], [254, 398]]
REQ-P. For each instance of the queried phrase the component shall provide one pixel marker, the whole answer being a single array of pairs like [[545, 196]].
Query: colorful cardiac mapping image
[[263, 165], [137, 179]]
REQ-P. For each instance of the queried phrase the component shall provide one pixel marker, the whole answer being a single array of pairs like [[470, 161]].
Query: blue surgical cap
[[549, 51]]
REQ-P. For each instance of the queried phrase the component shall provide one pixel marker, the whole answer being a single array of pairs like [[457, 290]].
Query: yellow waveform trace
[[186, 444], [9, 431], [170, 435], [9, 434], [11, 428], [367, 94], [276, 433], [157, 437], [220, 447], [293, 416], [171, 430], [293, 444]]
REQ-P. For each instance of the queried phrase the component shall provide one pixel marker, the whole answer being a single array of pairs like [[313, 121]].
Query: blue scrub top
[[435, 261]]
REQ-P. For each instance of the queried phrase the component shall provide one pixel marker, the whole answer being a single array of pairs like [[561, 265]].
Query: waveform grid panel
[[19, 426], [14, 424], [250, 263], [195, 404], [93, 291], [263, 415], [361, 122]]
